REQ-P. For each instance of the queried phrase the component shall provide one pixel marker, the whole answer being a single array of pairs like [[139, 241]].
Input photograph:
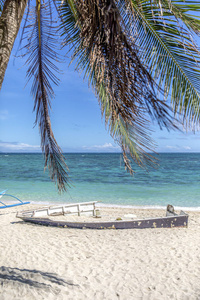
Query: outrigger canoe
[[171, 220], [7, 204]]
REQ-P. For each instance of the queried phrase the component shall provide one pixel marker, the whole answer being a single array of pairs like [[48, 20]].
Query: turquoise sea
[[102, 177]]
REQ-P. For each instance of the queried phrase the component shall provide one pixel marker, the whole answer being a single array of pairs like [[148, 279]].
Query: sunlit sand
[[40, 262]]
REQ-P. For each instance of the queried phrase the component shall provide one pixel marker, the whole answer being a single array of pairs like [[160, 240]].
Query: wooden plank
[[73, 208]]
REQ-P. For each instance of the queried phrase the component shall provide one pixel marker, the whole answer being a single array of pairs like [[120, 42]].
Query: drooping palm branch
[[122, 46], [40, 34], [104, 47]]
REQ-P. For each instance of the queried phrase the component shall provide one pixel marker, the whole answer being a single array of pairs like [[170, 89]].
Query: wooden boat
[[10, 203], [171, 220]]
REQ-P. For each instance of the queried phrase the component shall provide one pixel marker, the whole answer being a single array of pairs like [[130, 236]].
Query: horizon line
[[94, 152]]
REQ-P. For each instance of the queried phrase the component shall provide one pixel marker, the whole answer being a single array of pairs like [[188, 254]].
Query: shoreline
[[145, 207]]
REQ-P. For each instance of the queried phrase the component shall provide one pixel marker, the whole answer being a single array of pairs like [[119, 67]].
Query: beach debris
[[97, 213], [170, 208], [130, 216]]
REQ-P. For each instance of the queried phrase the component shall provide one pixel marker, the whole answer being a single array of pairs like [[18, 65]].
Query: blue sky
[[76, 117]]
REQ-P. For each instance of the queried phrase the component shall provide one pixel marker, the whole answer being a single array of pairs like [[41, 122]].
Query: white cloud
[[104, 147], [3, 114], [12, 147], [187, 148], [178, 148], [172, 147]]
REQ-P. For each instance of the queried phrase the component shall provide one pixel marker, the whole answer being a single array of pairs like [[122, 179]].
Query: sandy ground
[[48, 263]]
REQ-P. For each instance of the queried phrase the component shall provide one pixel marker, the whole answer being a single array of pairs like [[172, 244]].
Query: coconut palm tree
[[134, 53]]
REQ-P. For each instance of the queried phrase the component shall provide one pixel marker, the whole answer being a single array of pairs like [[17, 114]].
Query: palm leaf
[[181, 10], [103, 47], [165, 34], [40, 33], [2, 2]]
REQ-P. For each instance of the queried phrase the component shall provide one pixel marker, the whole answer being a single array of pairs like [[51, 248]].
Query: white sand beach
[[39, 262]]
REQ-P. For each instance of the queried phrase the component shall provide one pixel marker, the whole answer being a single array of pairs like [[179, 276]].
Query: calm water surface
[[102, 177]]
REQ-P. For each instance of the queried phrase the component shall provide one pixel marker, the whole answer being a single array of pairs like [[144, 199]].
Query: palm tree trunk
[[10, 20]]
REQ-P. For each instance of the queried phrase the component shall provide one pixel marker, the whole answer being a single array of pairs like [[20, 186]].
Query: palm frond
[[40, 48], [103, 47], [2, 2], [186, 11], [166, 36]]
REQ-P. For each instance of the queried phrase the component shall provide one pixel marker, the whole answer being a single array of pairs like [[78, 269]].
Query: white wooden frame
[[72, 208]]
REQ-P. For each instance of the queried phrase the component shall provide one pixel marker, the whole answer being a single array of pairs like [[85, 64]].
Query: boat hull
[[163, 222]]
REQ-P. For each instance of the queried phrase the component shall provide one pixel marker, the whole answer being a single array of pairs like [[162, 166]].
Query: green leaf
[[165, 32]]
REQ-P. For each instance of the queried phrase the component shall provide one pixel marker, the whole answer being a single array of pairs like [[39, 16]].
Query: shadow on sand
[[33, 278]]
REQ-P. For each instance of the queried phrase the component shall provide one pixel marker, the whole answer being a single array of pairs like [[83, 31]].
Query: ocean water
[[102, 177]]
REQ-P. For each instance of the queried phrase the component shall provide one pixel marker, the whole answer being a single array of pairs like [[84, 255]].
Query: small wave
[[151, 207], [158, 207], [45, 203]]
